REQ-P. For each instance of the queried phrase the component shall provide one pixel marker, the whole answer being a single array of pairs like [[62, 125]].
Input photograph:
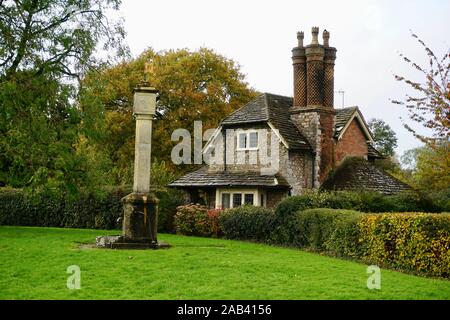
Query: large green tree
[[384, 137], [45, 46], [193, 85], [55, 36], [428, 168]]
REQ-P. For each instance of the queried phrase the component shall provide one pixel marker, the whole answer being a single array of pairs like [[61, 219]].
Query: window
[[232, 198], [225, 200], [242, 140], [237, 200], [248, 198], [248, 140], [253, 140]]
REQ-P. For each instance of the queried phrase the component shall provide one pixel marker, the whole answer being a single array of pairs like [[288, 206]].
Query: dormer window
[[248, 140]]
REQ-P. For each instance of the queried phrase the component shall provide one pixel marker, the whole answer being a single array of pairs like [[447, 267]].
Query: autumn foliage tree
[[431, 107], [193, 85]]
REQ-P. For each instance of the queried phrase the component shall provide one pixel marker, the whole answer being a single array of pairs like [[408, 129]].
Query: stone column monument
[[140, 208]]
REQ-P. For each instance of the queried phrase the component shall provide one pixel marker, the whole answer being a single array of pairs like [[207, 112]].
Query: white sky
[[259, 35]]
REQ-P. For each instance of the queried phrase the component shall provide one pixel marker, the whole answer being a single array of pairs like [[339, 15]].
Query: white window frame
[[256, 196], [247, 144]]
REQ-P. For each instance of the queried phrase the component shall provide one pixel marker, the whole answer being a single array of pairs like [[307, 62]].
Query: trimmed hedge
[[89, 211], [371, 202], [315, 228], [102, 211], [408, 241], [414, 242], [247, 223]]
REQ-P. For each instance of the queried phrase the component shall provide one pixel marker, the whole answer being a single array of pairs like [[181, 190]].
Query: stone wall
[[296, 167], [309, 125], [274, 197], [244, 160]]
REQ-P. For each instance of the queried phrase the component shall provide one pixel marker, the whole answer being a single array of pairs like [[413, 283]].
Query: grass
[[33, 263]]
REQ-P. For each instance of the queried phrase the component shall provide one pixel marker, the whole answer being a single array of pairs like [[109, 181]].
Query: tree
[[55, 36], [193, 85], [431, 108], [44, 45], [383, 136], [428, 168]]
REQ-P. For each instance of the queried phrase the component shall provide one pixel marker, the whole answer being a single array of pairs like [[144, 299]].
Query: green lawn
[[33, 263]]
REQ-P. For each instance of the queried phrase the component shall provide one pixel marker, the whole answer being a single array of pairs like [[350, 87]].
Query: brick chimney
[[299, 64], [313, 108]]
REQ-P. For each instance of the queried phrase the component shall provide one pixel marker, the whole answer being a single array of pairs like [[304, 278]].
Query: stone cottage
[[276, 146]]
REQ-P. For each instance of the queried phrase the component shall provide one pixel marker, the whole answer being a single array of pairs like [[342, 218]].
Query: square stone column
[[140, 208]]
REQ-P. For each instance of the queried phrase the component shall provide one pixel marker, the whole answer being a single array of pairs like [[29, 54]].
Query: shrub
[[316, 228], [247, 223], [169, 200], [94, 211], [415, 242], [284, 220], [214, 222], [410, 201], [196, 220], [87, 211], [409, 241]]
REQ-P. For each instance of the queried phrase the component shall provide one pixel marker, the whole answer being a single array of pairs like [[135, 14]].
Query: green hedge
[[415, 242], [315, 228], [247, 223], [371, 202], [93, 211], [88, 211]]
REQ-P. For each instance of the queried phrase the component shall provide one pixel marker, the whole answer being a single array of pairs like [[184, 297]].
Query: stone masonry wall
[[244, 160], [274, 197], [296, 167], [309, 125]]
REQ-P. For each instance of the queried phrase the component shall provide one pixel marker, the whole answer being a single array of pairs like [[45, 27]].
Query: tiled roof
[[279, 116], [254, 111], [203, 178], [342, 117], [359, 174], [274, 109], [373, 153]]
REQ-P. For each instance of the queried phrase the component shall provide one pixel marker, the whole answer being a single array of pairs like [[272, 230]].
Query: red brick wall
[[352, 143]]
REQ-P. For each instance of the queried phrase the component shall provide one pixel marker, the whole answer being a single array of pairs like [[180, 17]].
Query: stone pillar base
[[140, 222]]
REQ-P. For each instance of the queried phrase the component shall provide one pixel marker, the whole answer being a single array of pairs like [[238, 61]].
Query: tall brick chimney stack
[[299, 64], [328, 81], [314, 71], [313, 108]]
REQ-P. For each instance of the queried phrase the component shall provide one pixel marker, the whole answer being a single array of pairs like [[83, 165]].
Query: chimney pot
[[315, 35], [300, 37], [326, 38]]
